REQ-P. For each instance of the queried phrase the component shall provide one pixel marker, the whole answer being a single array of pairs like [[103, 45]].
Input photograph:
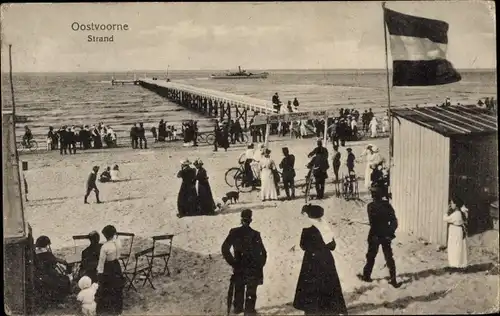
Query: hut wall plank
[[419, 180]]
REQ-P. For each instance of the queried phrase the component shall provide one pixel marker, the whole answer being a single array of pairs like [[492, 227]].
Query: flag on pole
[[418, 49]]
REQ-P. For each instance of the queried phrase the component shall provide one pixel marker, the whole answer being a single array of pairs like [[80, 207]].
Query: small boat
[[241, 74]]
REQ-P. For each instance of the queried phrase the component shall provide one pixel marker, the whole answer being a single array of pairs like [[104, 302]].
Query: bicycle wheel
[[20, 146], [239, 183], [33, 145], [210, 138], [200, 138], [243, 138], [230, 176]]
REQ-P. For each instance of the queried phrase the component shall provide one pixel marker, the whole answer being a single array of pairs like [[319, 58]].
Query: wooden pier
[[211, 103], [124, 82]]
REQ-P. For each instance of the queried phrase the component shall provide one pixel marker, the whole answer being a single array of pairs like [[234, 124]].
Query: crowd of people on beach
[[66, 138], [318, 290]]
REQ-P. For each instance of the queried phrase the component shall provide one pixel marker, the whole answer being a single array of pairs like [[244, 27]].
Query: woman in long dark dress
[[205, 197], [187, 200], [90, 257], [51, 283], [109, 296], [318, 288]]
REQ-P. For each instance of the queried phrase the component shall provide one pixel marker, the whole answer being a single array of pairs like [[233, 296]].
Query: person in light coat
[[373, 127], [373, 158]]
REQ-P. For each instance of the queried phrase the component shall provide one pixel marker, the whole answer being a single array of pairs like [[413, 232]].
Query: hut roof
[[452, 121]]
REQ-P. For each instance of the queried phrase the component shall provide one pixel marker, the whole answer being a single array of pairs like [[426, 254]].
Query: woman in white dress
[[268, 189], [373, 127], [115, 173], [456, 217], [385, 124], [303, 129], [373, 158]]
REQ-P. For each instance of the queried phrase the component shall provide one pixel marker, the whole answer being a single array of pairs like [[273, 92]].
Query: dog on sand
[[232, 197]]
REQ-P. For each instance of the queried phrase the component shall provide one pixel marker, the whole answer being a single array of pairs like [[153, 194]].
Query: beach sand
[[145, 204]]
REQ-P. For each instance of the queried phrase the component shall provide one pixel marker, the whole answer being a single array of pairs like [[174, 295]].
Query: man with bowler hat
[[248, 262], [383, 225], [91, 185]]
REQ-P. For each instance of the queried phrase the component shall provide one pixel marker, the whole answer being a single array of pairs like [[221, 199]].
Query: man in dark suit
[[63, 139], [134, 136], [319, 165], [383, 225], [141, 133], [288, 166], [248, 262], [91, 185]]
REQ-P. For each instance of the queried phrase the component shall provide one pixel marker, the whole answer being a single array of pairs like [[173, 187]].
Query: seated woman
[[90, 257], [105, 175], [52, 277], [115, 173]]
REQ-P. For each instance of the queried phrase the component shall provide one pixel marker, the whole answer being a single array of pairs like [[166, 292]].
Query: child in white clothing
[[86, 296]]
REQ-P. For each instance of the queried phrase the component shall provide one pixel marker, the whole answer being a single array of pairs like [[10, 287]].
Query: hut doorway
[[474, 178]]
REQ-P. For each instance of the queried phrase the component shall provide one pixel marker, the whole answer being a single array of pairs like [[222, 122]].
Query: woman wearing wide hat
[[318, 288], [205, 197], [187, 200]]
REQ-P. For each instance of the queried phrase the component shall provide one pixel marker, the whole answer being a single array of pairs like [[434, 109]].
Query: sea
[[57, 99]]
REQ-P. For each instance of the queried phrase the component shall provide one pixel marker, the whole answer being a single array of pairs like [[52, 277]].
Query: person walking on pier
[[383, 225], [92, 186], [248, 263], [141, 133], [134, 136]]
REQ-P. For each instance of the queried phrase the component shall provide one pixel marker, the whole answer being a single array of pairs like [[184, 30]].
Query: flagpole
[[388, 83], [12, 85]]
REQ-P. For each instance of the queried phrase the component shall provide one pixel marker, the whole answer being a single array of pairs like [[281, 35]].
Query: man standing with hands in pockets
[[248, 262]]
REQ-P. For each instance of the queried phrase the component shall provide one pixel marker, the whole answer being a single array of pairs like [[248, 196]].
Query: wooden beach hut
[[437, 152], [17, 238]]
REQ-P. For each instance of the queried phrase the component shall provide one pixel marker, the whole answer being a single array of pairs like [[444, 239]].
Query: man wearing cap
[[383, 225], [248, 262], [288, 167], [91, 185]]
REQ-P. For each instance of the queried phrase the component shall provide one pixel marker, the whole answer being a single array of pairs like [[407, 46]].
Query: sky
[[203, 36]]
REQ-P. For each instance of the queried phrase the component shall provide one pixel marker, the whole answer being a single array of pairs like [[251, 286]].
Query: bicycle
[[235, 177], [30, 145], [210, 138]]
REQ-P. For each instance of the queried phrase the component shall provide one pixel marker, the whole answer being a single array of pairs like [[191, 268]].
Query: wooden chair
[[75, 260], [79, 237], [143, 267], [165, 254], [126, 251]]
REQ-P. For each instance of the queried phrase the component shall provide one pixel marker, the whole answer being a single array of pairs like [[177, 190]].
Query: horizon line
[[258, 69]]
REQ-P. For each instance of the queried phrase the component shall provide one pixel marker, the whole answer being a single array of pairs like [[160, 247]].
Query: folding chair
[[75, 259], [165, 254], [143, 267], [125, 254]]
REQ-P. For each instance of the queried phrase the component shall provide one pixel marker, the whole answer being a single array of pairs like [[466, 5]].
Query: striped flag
[[418, 49]]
